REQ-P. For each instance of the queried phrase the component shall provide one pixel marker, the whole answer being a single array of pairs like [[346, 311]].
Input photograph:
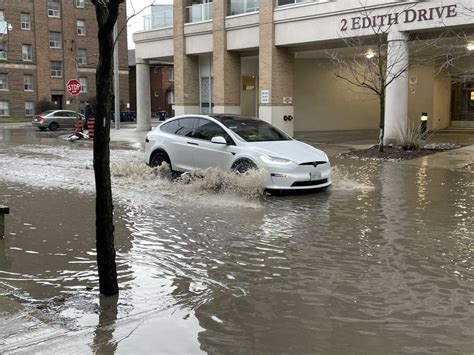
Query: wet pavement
[[382, 262]]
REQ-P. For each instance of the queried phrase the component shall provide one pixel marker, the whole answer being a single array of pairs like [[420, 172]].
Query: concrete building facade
[[44, 44], [273, 59]]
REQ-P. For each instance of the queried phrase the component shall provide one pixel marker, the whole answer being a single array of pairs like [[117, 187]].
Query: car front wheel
[[243, 165]]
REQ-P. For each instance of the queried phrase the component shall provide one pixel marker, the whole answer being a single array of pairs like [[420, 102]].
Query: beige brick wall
[[276, 65], [186, 67], [226, 65]]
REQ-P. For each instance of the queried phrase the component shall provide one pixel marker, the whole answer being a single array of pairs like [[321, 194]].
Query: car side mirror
[[218, 140]]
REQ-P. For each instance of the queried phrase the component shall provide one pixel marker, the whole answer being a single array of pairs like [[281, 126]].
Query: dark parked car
[[56, 119]]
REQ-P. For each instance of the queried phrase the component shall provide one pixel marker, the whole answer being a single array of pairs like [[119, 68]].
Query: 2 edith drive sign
[[405, 16]]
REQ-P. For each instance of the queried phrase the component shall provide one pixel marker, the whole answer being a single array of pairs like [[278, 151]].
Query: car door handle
[[192, 143]]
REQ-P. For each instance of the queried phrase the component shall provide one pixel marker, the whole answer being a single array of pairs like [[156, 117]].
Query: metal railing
[[238, 7], [158, 20], [200, 12]]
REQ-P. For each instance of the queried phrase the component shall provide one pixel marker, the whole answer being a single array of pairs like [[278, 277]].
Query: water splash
[[345, 181], [212, 182]]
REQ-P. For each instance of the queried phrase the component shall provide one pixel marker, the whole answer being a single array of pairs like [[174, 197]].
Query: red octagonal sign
[[73, 87]]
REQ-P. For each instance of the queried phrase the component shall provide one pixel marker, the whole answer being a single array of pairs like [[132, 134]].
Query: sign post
[[73, 87]]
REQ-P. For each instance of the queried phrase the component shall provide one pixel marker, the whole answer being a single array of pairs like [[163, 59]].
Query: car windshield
[[46, 113], [252, 129]]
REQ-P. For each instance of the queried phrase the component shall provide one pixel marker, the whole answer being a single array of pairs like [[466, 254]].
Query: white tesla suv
[[237, 143]]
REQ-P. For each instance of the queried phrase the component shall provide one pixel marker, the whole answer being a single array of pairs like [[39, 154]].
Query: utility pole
[[116, 80]]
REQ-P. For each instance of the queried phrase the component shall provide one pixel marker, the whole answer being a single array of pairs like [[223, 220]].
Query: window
[[206, 130], [81, 27], [4, 108], [185, 127], [3, 50], [54, 8], [182, 127], [56, 69], [82, 56], [171, 74], [25, 21], [26, 52], [80, 4], [170, 97], [28, 82], [84, 85], [29, 108], [169, 127], [253, 130], [3, 81], [55, 40]]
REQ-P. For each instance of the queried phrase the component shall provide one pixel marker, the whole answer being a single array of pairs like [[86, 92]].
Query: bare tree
[[373, 70], [382, 63], [107, 12]]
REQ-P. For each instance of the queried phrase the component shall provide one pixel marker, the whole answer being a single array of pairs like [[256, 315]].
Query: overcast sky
[[136, 23]]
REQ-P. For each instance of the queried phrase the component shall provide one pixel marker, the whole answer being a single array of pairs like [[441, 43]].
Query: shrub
[[44, 105], [411, 136]]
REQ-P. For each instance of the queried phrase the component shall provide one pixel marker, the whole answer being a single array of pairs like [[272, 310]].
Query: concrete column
[[275, 74], [186, 68], [143, 96], [396, 95], [226, 65]]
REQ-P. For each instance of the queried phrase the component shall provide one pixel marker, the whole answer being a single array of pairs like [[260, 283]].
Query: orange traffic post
[[78, 125], [90, 127]]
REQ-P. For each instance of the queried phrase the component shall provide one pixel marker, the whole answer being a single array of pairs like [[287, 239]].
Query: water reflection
[[104, 341], [381, 262]]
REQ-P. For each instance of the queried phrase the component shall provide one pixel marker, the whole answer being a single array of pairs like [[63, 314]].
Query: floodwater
[[382, 262]]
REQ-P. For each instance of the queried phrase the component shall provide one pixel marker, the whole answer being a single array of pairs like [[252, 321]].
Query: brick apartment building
[[161, 86], [44, 44]]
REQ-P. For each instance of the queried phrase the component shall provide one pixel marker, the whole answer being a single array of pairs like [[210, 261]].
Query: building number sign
[[405, 16]]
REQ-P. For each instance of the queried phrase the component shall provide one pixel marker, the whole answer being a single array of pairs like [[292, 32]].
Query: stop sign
[[73, 87]]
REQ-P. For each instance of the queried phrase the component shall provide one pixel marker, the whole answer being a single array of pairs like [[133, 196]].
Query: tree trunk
[[382, 122], [106, 17]]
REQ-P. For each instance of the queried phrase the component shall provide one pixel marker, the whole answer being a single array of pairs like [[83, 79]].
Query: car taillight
[[41, 119]]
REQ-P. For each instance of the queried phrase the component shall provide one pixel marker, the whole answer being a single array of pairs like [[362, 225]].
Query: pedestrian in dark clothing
[[88, 113]]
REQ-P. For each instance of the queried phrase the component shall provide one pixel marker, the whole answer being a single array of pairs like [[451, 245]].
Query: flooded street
[[382, 262]]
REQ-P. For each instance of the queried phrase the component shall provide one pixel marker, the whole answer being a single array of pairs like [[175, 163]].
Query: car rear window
[[181, 127]]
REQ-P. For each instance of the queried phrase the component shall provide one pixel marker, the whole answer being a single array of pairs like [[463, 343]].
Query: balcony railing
[[200, 12], [238, 7], [293, 2], [158, 20]]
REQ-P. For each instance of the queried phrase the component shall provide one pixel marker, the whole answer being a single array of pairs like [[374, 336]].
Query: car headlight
[[274, 160]]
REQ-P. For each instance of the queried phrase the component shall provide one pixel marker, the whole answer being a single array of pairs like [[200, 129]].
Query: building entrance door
[[248, 95], [462, 105], [58, 101]]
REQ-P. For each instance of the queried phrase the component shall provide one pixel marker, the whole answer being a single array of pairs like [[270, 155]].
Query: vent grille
[[314, 163], [309, 183]]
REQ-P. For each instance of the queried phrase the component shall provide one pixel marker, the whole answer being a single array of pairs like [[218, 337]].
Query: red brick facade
[[161, 89], [42, 23]]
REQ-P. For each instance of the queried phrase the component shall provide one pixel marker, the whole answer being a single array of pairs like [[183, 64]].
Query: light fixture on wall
[[370, 54], [470, 46]]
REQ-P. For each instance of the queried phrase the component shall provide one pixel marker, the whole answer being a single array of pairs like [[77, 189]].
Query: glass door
[[462, 104]]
